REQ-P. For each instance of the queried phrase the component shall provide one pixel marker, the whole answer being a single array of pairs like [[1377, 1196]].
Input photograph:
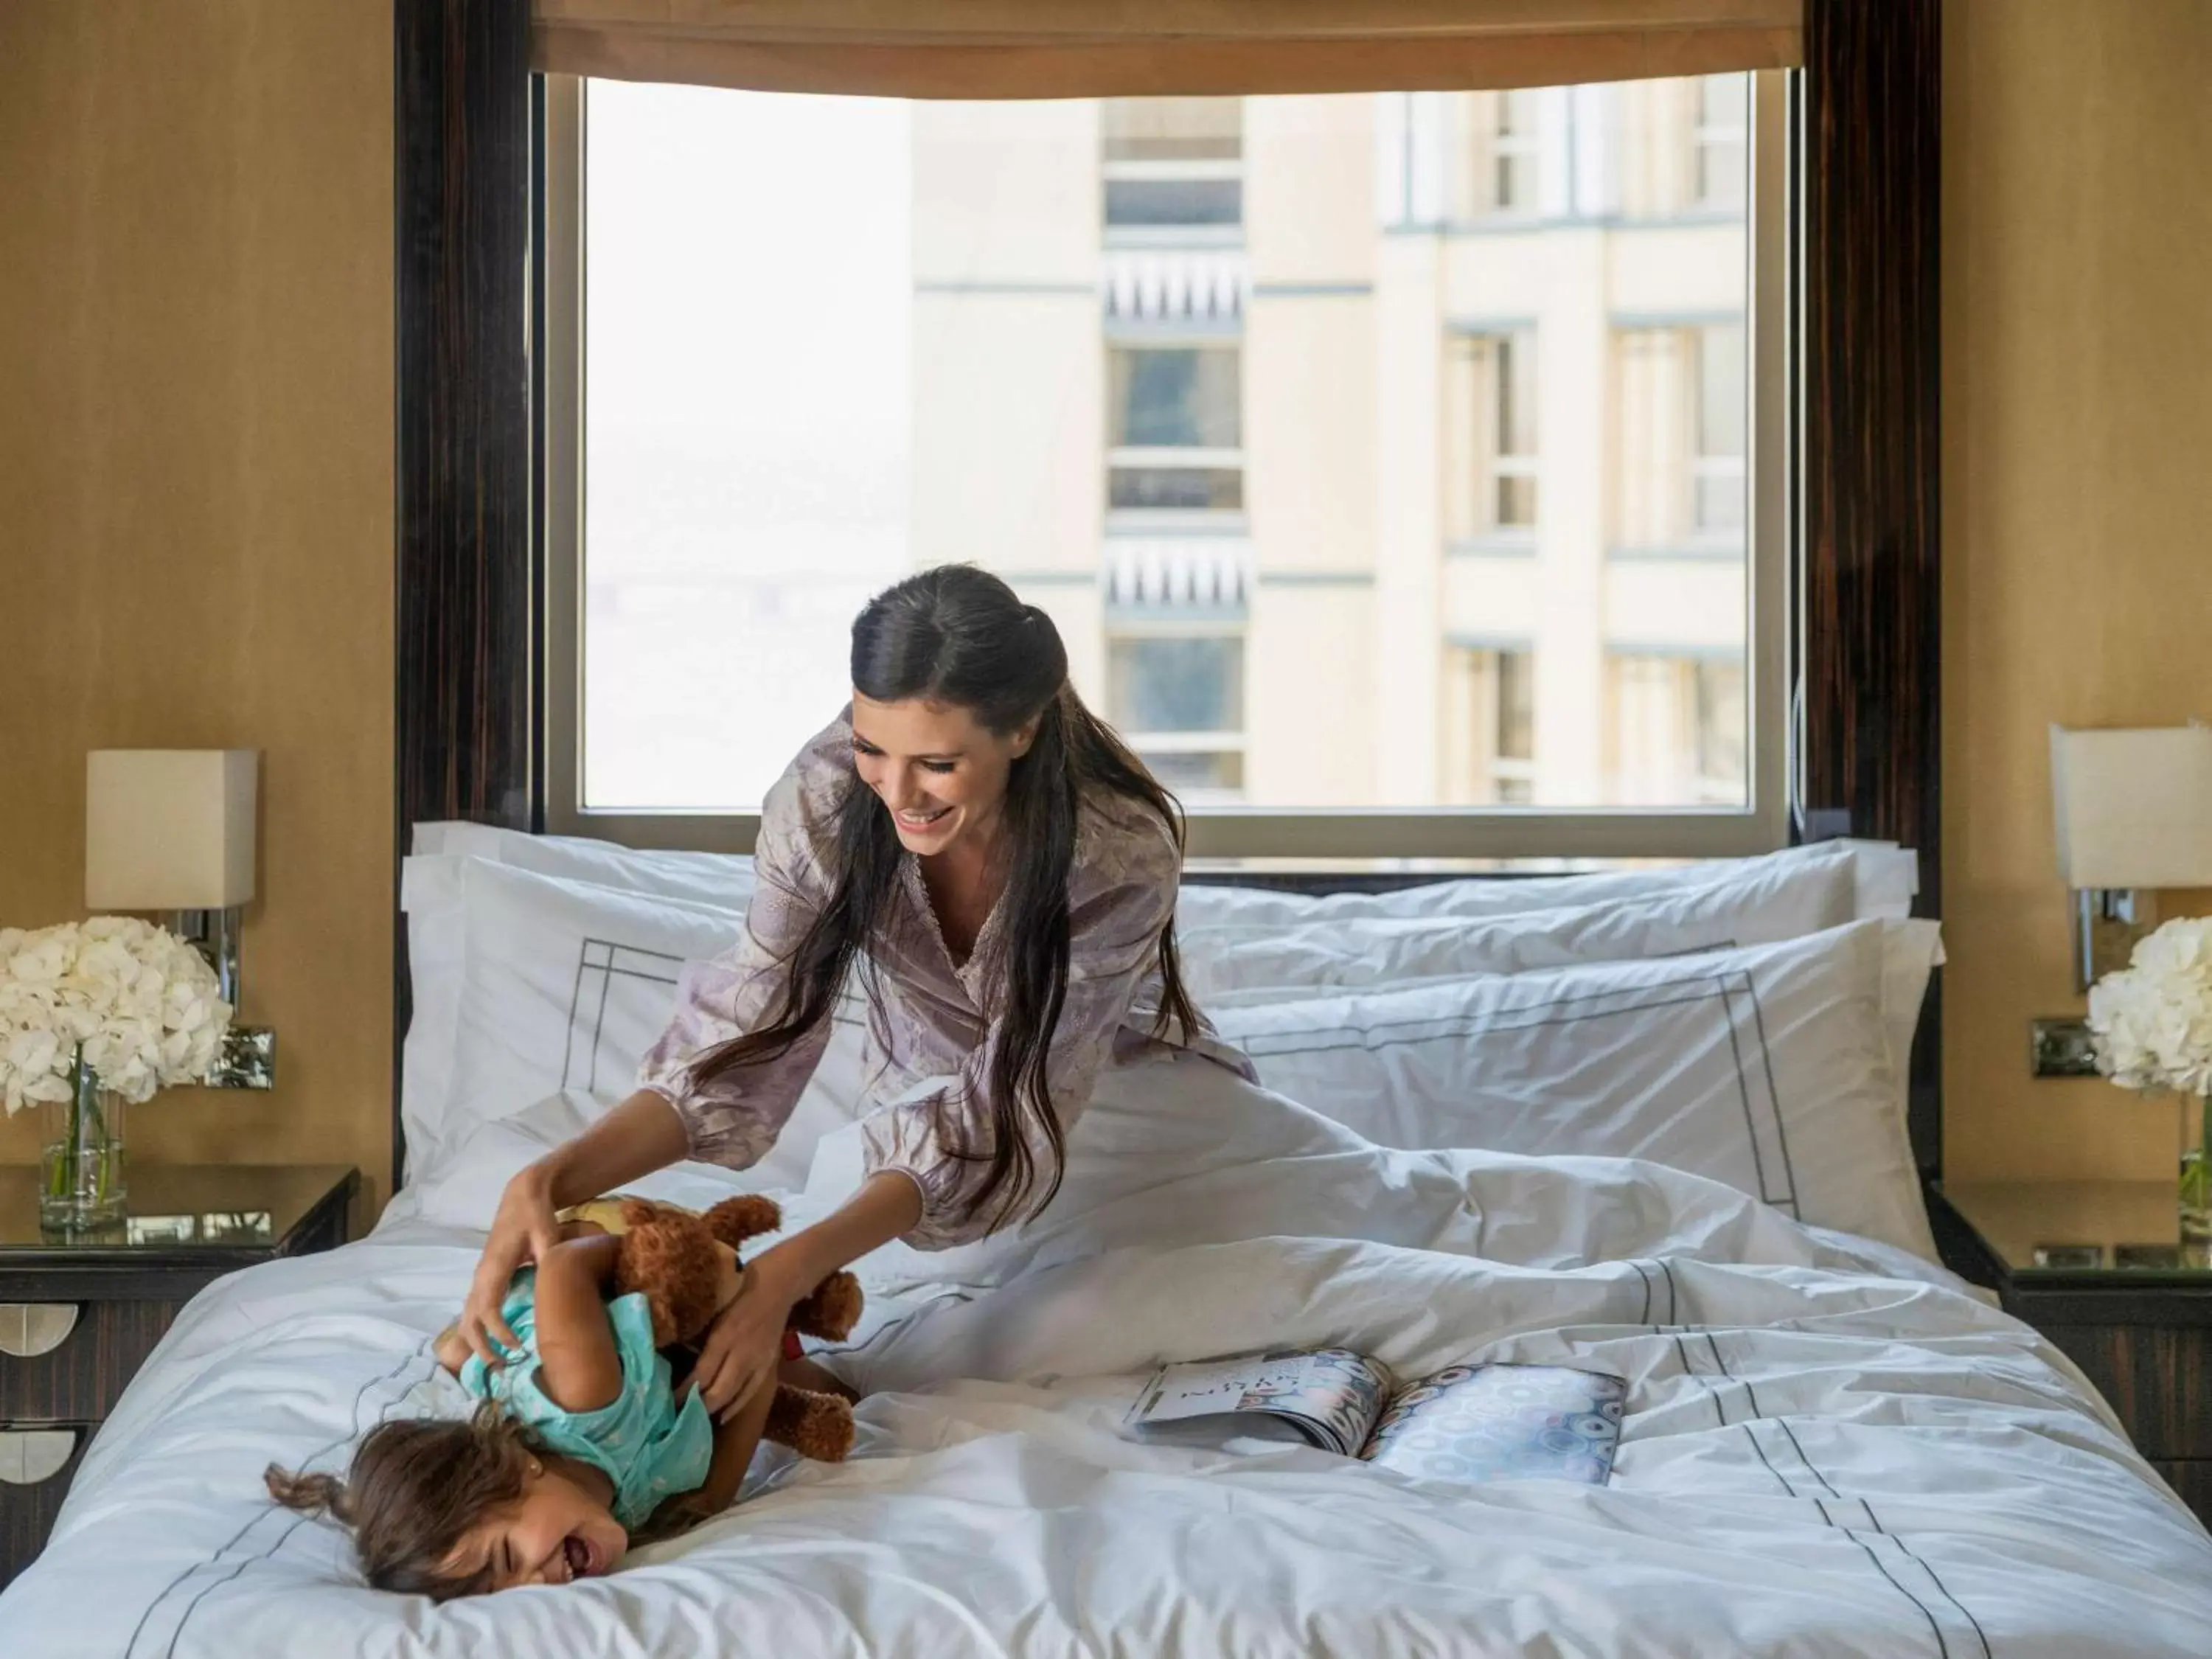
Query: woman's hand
[[523, 1231], [745, 1344]]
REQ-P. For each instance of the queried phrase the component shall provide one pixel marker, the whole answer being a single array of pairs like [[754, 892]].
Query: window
[[1515, 151], [1178, 700], [1720, 140], [1717, 483], [1679, 730], [1173, 168], [1683, 420], [1176, 429], [1311, 467], [1491, 726], [1493, 434]]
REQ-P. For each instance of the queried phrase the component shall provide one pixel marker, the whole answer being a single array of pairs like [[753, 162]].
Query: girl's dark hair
[[414, 1491], [958, 635]]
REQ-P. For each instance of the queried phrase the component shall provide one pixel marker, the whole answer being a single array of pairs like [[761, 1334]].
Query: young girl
[[581, 1443]]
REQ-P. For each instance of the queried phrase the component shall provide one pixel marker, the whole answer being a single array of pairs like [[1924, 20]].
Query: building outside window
[[1720, 140], [1174, 428], [1718, 477], [1491, 737], [1678, 729], [1172, 168], [1491, 389], [1516, 150], [1246, 393], [1178, 700]]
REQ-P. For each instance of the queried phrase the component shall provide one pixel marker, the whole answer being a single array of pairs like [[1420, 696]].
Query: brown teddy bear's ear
[[637, 1212], [734, 1220]]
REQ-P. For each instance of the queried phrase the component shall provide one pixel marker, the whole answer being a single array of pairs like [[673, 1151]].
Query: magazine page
[[1331, 1399], [1496, 1422]]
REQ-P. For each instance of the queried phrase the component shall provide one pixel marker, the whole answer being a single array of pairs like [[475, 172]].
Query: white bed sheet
[[1829, 1450]]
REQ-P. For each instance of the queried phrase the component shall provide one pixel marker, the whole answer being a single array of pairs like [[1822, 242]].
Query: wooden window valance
[[1089, 48]]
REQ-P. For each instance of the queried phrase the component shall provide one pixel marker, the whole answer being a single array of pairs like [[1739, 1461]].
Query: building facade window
[[1717, 467], [1683, 427], [1720, 141], [1174, 428], [1678, 730], [1172, 168], [1178, 698], [1517, 150], [1491, 417], [1489, 726]]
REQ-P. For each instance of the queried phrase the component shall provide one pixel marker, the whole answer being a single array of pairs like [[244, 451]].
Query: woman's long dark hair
[[958, 635]]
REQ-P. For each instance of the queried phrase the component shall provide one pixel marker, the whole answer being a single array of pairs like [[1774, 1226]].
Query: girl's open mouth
[[583, 1559]]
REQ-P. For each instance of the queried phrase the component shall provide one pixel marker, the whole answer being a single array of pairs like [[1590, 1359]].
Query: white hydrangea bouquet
[[2153, 1025], [93, 1014]]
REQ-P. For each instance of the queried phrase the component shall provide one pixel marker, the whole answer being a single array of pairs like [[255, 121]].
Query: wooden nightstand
[[2093, 1265], [78, 1315]]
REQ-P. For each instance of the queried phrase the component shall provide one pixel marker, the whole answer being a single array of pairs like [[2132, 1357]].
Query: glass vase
[[2196, 1180], [81, 1165]]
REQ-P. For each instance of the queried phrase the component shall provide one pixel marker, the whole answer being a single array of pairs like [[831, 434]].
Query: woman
[[1002, 873]]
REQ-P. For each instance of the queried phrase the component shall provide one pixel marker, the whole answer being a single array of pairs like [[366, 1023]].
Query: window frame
[[1342, 837]]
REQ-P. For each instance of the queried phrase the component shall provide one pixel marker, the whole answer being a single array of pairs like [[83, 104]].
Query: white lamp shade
[[2133, 807], [168, 829]]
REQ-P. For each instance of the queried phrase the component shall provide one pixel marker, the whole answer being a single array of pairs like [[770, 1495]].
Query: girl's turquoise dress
[[648, 1446]]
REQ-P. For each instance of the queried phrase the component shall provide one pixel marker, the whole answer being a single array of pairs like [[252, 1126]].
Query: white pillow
[[1886, 876], [718, 879], [526, 985], [1769, 1067], [464, 1190], [1232, 963]]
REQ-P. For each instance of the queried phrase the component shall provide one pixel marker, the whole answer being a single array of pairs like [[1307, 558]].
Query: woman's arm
[[735, 1441], [641, 1136], [579, 1369], [747, 1339]]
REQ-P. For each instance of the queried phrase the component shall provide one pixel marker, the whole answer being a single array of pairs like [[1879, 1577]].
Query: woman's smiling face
[[942, 776]]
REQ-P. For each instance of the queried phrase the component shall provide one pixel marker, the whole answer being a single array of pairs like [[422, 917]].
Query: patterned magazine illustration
[[1495, 1422], [1465, 1422]]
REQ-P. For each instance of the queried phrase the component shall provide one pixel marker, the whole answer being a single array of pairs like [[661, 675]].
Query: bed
[[1651, 1122]]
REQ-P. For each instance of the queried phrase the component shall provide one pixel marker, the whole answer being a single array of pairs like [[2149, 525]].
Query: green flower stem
[[86, 1135], [2197, 1172]]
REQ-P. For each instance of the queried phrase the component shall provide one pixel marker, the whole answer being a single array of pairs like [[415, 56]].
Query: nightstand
[[2093, 1265], [79, 1314]]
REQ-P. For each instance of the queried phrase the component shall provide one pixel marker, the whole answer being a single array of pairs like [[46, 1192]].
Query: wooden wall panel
[[1872, 370], [468, 592]]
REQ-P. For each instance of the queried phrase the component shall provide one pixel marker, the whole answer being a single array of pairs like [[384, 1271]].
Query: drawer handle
[[29, 1456], [28, 1329]]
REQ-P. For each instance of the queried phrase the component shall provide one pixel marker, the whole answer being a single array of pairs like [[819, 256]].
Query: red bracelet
[[790, 1348]]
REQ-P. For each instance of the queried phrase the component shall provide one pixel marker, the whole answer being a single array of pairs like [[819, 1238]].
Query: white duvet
[[1829, 1449]]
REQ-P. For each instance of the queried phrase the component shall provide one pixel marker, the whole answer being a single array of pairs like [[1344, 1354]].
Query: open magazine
[[1465, 1422]]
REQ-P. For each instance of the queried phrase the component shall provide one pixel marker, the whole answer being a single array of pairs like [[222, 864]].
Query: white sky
[[748, 360]]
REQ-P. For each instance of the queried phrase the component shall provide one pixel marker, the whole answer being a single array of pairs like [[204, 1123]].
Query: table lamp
[[172, 830], [2133, 811]]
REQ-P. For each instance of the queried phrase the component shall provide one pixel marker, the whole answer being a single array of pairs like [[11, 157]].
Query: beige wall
[[196, 483], [2077, 399]]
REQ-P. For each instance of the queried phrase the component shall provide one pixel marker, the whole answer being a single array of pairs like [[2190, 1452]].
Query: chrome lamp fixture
[[172, 830], [2133, 811]]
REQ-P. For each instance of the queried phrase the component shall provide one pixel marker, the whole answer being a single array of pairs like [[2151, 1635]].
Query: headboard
[[1867, 611]]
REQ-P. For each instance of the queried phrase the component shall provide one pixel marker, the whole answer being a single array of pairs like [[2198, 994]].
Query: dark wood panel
[[27, 1513], [1872, 375], [2191, 1482], [2158, 1378], [81, 1380], [467, 589]]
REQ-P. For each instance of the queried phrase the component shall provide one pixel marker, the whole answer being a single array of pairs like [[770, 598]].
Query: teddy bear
[[686, 1266]]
